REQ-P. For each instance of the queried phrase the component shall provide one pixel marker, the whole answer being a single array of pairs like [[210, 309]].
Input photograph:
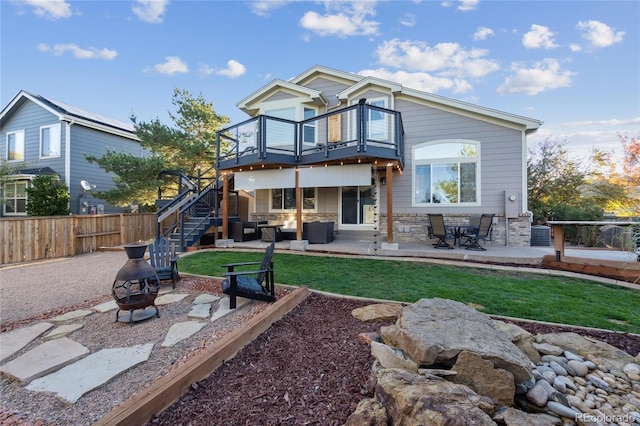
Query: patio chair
[[255, 284], [162, 254], [437, 229], [482, 233]]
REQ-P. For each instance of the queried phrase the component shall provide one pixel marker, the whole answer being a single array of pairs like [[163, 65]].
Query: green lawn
[[510, 293]]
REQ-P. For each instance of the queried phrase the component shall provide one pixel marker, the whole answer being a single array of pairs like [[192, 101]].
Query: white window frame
[[55, 142], [446, 160], [299, 109], [315, 201], [15, 181], [19, 140], [385, 119]]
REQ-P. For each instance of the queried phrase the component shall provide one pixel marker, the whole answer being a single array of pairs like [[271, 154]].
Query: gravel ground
[[29, 290]]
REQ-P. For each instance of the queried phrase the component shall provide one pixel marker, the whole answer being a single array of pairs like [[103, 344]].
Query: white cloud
[[462, 5], [575, 47], [538, 37], [264, 8], [234, 69], [151, 11], [342, 19], [482, 33], [50, 9], [447, 59], [78, 52], [419, 80], [545, 75], [599, 34], [172, 65], [409, 20]]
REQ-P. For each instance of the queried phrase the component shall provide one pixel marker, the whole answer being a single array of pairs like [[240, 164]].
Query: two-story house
[[40, 135], [372, 155]]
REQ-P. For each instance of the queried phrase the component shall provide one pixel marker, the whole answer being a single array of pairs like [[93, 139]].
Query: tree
[[555, 184], [189, 146], [47, 196]]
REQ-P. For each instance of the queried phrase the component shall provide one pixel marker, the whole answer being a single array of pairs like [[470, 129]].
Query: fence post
[[74, 235], [122, 236]]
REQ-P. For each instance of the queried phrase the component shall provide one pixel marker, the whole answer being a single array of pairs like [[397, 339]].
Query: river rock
[[578, 367], [538, 395], [610, 356], [562, 410], [557, 368], [435, 331], [632, 371]]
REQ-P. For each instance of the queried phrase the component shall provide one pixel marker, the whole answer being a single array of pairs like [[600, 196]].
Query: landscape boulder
[[435, 331]]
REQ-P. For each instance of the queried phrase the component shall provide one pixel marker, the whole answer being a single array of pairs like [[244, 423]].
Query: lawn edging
[[162, 393]]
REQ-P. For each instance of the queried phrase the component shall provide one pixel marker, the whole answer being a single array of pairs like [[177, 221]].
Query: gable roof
[[358, 83], [71, 114], [248, 103]]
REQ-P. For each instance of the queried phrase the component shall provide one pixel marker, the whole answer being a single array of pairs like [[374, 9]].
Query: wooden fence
[[36, 238]]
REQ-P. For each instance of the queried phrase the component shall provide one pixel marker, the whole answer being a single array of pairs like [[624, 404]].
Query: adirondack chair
[[437, 229], [162, 254], [482, 233], [254, 284]]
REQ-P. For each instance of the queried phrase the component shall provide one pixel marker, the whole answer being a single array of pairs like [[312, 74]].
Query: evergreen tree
[[47, 196]]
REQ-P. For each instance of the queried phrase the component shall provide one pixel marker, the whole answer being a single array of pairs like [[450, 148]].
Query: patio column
[[225, 206], [298, 206], [389, 203]]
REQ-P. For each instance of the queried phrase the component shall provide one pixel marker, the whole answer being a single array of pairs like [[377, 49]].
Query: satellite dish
[[85, 185]]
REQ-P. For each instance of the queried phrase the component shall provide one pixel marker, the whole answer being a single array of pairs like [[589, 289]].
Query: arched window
[[446, 172]]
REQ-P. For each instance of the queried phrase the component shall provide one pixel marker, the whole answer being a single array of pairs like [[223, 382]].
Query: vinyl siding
[[500, 157], [93, 142], [30, 117]]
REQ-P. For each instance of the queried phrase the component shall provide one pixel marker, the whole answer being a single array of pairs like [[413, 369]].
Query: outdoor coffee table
[[271, 232]]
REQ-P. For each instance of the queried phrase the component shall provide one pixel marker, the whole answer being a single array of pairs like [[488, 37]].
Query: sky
[[575, 65]]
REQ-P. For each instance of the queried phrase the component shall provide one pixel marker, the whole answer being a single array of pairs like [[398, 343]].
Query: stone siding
[[414, 228]]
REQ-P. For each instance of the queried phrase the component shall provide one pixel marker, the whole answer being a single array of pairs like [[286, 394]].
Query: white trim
[[21, 132], [67, 154], [54, 135], [475, 160]]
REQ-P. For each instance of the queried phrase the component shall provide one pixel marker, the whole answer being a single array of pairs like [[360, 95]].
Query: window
[[15, 146], [285, 199], [309, 128], [50, 141], [377, 122], [15, 197], [446, 173]]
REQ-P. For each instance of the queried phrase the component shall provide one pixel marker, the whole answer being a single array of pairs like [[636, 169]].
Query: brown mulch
[[308, 368]]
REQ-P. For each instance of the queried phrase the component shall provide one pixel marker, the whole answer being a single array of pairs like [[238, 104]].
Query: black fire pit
[[136, 285]]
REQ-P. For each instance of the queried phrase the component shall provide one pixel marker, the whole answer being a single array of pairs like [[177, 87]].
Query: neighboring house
[[42, 136], [372, 155]]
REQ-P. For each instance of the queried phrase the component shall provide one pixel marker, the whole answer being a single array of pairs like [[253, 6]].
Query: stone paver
[[12, 341], [105, 307], [63, 331], [165, 299], [202, 310], [73, 315], [205, 298], [181, 331], [44, 359], [223, 308], [72, 381]]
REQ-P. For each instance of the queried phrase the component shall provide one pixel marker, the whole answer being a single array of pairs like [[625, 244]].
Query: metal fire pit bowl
[[136, 285]]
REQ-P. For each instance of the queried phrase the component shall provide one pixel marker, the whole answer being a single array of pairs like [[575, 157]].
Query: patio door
[[357, 206]]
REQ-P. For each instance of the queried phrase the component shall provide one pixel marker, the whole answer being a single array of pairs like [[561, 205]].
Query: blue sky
[[573, 64]]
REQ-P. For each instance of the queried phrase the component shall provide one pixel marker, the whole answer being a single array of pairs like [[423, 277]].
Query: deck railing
[[355, 131]]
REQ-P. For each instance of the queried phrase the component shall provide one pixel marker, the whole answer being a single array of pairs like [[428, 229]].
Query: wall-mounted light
[[512, 197], [383, 180]]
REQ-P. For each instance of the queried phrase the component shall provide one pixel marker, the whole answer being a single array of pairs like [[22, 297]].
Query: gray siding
[[500, 157], [329, 89], [30, 117], [93, 142]]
